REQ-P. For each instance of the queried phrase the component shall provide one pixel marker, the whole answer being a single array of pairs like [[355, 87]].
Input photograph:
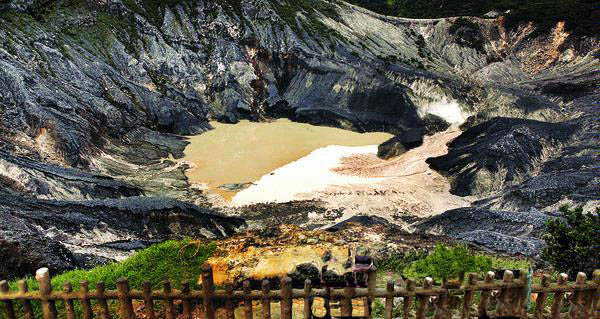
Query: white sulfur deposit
[[309, 174]]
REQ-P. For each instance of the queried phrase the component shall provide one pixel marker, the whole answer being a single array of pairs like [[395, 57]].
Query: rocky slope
[[93, 96]]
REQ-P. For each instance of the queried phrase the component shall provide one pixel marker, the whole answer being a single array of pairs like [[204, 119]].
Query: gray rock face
[[64, 235], [398, 145], [505, 231], [502, 146]]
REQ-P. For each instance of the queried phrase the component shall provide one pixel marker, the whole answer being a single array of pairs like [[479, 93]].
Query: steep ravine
[[95, 95]]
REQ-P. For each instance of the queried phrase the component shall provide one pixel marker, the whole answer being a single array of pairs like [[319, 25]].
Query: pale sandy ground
[[310, 174], [409, 187], [355, 180]]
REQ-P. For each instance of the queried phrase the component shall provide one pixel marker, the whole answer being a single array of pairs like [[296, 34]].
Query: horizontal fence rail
[[471, 298]]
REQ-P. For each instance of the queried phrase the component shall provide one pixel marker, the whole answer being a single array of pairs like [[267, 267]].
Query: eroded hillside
[[95, 95]]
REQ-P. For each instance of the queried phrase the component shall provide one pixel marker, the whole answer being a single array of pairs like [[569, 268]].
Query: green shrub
[[573, 243], [447, 263], [397, 262]]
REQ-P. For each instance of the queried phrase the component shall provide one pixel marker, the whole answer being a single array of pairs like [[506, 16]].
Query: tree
[[573, 242], [447, 263]]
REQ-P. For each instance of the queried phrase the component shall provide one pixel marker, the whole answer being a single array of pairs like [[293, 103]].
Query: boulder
[[398, 145]]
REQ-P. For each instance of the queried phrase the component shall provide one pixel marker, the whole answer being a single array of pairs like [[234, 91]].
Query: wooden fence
[[472, 298]]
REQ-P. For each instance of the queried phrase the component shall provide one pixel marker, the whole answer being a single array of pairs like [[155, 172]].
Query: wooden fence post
[[389, 300], [307, 298], [187, 303], [85, 300], [229, 308], [371, 286], [559, 297], [247, 300], [596, 296], [540, 303], [576, 302], [148, 302], [469, 295], [423, 299], [208, 287], [346, 302], [169, 306], [442, 304], [104, 311], [27, 308], [266, 300], [69, 305], [126, 308], [9, 307], [486, 296], [48, 306], [408, 300], [504, 299], [286, 298], [521, 306]]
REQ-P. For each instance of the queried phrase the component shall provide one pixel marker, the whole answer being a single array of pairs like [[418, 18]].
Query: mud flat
[[232, 156], [355, 181]]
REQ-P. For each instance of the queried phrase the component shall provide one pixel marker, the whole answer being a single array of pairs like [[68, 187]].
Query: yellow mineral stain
[[277, 264], [243, 152]]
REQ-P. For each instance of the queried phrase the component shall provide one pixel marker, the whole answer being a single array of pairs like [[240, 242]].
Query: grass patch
[[177, 261], [448, 262]]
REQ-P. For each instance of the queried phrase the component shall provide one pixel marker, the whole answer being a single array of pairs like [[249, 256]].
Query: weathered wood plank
[[540, 303], [389, 301], [125, 305], [187, 303], [27, 308], [169, 305], [247, 300], [208, 288], [559, 297], [48, 306], [9, 308], [486, 296], [102, 303], [148, 302], [286, 298]]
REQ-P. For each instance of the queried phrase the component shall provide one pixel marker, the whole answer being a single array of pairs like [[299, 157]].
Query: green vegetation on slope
[[177, 261], [446, 262], [573, 243], [581, 16]]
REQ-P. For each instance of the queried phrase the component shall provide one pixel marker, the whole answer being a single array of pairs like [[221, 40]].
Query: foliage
[[397, 262], [177, 261], [581, 16], [447, 263], [508, 263], [289, 10], [573, 243], [463, 22]]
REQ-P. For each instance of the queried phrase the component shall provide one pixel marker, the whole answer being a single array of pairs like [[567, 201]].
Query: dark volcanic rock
[[510, 232], [398, 145], [69, 234], [498, 242], [493, 153], [362, 220], [32, 178], [24, 249]]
